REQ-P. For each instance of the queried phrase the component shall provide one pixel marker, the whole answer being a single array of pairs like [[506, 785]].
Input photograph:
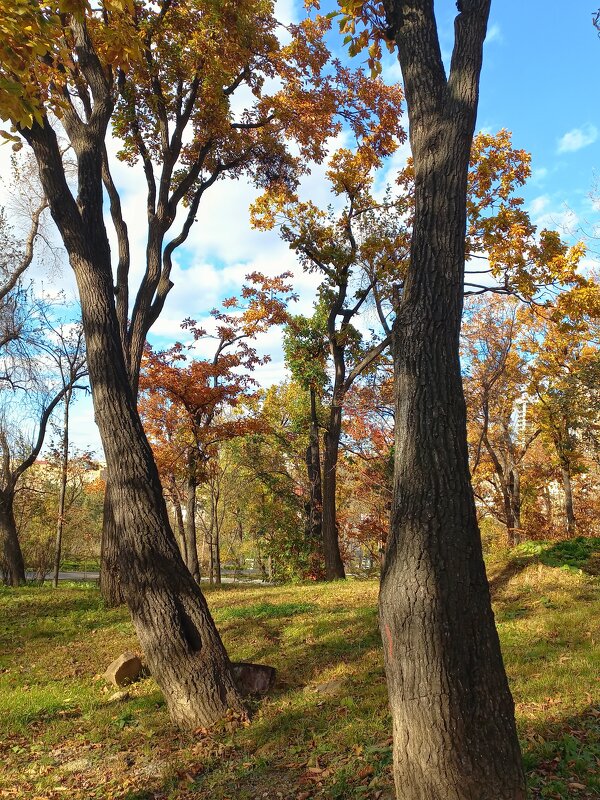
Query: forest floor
[[324, 732]]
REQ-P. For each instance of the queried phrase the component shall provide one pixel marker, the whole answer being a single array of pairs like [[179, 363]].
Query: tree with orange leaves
[[189, 406]]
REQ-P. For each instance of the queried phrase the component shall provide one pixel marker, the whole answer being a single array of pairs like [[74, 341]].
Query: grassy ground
[[64, 733]]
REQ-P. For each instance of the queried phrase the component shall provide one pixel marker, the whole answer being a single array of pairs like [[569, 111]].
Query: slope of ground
[[325, 731]]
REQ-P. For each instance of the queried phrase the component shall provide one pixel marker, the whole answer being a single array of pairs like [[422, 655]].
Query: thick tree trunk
[[13, 565], [452, 712], [110, 584], [180, 641], [453, 716], [190, 520], [334, 566], [570, 521], [314, 516], [176, 632]]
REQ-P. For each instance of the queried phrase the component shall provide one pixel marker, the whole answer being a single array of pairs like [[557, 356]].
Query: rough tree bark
[[12, 562], [176, 632], [110, 583], [452, 712]]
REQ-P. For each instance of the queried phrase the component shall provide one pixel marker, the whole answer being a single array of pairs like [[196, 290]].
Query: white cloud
[[539, 204], [494, 34], [577, 138], [539, 175], [566, 222]]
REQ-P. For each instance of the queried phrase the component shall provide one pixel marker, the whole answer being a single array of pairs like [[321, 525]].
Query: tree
[[31, 387], [70, 358], [273, 463], [37, 506], [355, 252], [164, 75], [367, 465], [184, 404], [361, 252], [305, 354], [453, 715], [495, 383], [563, 381]]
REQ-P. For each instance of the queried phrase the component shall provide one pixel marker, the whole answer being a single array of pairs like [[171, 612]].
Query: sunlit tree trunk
[[570, 522], [452, 712], [176, 632]]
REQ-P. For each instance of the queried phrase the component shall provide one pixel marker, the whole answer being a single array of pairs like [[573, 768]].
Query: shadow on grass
[[579, 554], [36, 612], [561, 756], [303, 647]]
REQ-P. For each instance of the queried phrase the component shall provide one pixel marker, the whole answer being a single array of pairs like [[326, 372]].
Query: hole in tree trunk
[[190, 632]]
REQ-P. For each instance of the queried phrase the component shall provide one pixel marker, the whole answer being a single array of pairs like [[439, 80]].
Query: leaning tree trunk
[[452, 712], [176, 632], [334, 566], [12, 556]]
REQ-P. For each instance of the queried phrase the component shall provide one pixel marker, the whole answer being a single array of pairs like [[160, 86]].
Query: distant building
[[520, 419]]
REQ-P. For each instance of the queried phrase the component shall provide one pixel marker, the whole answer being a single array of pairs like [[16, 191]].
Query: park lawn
[[325, 731]]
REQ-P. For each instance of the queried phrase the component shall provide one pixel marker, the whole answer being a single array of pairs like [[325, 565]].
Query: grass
[[65, 734]]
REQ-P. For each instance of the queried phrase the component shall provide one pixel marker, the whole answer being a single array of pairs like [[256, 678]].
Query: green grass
[[63, 734]]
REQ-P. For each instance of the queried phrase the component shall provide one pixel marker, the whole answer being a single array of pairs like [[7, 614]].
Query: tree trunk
[[570, 521], [452, 712], [12, 557], [180, 529], [176, 632], [218, 578], [334, 566], [110, 584], [64, 469], [190, 519], [453, 716], [314, 519], [179, 638], [516, 505], [211, 557]]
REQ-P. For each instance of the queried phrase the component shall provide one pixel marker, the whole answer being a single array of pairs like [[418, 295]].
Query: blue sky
[[539, 81]]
